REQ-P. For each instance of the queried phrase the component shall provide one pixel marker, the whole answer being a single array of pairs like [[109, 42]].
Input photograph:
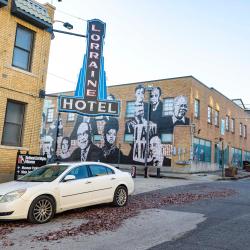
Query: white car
[[55, 188]]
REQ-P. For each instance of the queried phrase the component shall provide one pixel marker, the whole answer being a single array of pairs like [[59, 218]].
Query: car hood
[[15, 185]]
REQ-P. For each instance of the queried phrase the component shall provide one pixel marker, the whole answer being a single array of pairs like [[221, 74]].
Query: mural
[[79, 143]]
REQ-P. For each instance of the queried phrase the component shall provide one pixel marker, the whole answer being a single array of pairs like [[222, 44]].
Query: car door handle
[[113, 178], [88, 182]]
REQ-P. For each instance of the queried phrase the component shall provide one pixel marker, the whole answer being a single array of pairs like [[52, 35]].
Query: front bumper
[[17, 209]]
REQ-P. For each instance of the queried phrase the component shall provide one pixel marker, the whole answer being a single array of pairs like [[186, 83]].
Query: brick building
[[189, 125], [24, 52]]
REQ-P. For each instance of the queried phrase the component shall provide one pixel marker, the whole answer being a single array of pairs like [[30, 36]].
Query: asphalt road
[[217, 223], [227, 224]]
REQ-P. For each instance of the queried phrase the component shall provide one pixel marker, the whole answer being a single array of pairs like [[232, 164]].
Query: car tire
[[120, 196], [42, 210]]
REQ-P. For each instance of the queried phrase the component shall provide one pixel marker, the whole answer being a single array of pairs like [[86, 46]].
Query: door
[[104, 182], [76, 193]]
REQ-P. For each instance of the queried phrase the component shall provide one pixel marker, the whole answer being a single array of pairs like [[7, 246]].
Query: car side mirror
[[69, 177]]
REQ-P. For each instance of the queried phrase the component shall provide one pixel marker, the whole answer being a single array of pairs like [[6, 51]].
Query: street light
[[149, 89], [66, 25]]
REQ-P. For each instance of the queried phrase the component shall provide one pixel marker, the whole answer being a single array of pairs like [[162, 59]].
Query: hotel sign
[[90, 95]]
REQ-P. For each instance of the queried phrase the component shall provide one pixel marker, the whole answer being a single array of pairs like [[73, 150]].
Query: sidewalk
[[168, 173]]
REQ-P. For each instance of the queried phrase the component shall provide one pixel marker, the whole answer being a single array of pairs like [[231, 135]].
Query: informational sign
[[27, 163], [91, 92]]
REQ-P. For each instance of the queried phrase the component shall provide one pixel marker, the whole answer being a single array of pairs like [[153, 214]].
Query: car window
[[79, 172], [98, 170], [110, 171], [45, 173]]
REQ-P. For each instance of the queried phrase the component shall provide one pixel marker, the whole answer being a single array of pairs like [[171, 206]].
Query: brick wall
[[20, 85]]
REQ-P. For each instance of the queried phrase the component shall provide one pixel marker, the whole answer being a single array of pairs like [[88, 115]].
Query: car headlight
[[11, 196]]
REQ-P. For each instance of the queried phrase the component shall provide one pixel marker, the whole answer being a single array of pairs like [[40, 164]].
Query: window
[[227, 123], [166, 138], [70, 117], [79, 172], [222, 127], [209, 115], [241, 129], [13, 124], [128, 138], [23, 48], [97, 138], [168, 106], [245, 131], [202, 150], [216, 118], [247, 156], [232, 125], [98, 170], [236, 160], [196, 108], [110, 171], [50, 115], [130, 109]]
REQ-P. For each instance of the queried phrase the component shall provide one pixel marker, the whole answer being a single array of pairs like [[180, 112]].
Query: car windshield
[[46, 173]]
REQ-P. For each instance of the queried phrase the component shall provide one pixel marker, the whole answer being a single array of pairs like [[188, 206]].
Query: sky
[[157, 39]]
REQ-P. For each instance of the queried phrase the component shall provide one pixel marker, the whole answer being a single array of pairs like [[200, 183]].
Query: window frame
[[21, 125], [216, 118], [166, 141], [197, 113], [209, 115], [245, 131], [47, 116], [227, 123], [241, 129], [129, 115], [30, 52], [70, 114], [232, 125], [126, 141], [164, 111]]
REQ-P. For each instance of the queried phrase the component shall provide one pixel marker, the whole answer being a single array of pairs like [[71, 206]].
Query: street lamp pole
[[149, 89]]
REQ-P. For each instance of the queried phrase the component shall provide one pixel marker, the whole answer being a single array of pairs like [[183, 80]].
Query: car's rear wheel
[[120, 196], [42, 210]]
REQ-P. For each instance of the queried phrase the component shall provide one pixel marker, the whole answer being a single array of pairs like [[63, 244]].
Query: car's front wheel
[[120, 196], [42, 210]]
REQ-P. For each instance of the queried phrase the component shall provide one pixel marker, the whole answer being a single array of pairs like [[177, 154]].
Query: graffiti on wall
[[79, 143]]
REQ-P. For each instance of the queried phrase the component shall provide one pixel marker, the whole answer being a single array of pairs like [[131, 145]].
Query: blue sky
[[148, 40]]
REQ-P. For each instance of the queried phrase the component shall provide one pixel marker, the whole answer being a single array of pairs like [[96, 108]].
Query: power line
[[65, 13], [60, 77]]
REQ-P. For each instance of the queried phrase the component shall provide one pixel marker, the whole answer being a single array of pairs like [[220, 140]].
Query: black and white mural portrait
[[95, 138]]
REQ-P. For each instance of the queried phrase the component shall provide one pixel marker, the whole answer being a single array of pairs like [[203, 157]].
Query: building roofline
[[164, 79], [157, 80]]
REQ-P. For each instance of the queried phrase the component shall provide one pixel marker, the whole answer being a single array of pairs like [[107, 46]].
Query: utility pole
[[149, 89]]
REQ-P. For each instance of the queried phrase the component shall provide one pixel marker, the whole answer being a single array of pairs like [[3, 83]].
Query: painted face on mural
[[180, 107], [65, 145], [139, 94], [139, 109], [155, 146], [83, 139], [111, 136], [155, 96]]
